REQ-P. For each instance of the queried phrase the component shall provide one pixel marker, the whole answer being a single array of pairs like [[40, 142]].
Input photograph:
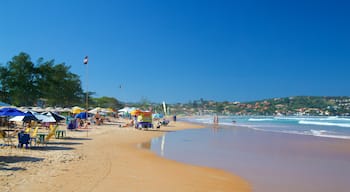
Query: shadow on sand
[[77, 138], [48, 147], [64, 143], [158, 130], [6, 160]]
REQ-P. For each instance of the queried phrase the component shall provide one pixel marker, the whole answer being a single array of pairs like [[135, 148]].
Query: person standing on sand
[[216, 119]]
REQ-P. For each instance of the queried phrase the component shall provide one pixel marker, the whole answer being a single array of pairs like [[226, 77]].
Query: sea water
[[332, 127], [272, 153]]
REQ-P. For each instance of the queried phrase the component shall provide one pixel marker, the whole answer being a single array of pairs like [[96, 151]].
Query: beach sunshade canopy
[[136, 112], [43, 118], [25, 118], [76, 110], [126, 109], [96, 110], [12, 112], [109, 110], [57, 117], [82, 115]]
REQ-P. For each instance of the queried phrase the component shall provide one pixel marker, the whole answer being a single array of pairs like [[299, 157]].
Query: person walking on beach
[[216, 119], [174, 118]]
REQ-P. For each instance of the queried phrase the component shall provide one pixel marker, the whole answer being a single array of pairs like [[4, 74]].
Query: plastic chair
[[51, 133], [23, 139], [34, 135]]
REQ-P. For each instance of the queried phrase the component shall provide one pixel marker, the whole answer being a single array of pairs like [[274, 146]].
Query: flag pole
[[87, 93]]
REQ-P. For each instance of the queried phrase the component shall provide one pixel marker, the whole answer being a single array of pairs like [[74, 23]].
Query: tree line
[[25, 83]]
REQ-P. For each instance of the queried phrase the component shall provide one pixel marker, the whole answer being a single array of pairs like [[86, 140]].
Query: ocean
[[272, 153]]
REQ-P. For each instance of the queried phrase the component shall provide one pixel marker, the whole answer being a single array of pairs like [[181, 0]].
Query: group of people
[[133, 122]]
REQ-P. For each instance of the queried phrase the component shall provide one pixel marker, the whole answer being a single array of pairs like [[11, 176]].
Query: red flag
[[86, 60]]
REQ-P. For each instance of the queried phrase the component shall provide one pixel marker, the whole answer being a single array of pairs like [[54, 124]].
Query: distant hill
[[296, 105]]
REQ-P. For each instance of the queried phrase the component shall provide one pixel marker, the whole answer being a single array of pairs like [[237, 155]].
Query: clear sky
[[182, 50]]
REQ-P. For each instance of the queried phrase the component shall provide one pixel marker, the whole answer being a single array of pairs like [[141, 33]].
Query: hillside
[[298, 105]]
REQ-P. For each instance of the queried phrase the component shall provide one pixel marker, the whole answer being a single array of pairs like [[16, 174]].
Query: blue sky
[[182, 50]]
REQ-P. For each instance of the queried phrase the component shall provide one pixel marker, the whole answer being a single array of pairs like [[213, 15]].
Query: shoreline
[[109, 159]]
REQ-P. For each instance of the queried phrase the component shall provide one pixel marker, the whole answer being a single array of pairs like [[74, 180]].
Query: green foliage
[[305, 105], [19, 80], [107, 102], [23, 83]]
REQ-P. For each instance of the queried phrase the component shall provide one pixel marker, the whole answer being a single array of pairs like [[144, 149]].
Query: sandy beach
[[108, 158]]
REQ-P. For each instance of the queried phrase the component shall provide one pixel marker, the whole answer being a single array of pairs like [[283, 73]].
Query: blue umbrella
[[82, 115], [4, 104], [7, 111]]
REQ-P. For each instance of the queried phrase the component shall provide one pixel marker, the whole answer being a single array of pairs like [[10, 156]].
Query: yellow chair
[[51, 133], [27, 130], [33, 135]]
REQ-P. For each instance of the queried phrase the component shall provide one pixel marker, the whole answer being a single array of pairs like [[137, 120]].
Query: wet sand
[[109, 159], [270, 162]]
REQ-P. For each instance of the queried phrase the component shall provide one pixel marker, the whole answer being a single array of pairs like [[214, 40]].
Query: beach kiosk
[[144, 120]]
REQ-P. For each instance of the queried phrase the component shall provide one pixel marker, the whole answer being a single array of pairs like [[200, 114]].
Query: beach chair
[[33, 136], [2, 136], [23, 139], [51, 133], [27, 130]]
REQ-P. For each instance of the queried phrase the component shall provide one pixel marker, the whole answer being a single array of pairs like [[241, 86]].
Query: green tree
[[19, 80], [4, 89], [107, 102], [58, 85]]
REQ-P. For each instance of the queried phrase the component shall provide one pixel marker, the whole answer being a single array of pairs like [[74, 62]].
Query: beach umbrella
[[43, 118], [25, 118], [56, 116], [96, 110], [136, 112], [76, 110], [12, 112], [109, 110], [37, 109], [82, 115], [126, 109], [47, 109]]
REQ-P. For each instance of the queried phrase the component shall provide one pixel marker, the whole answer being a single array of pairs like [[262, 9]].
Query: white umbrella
[[43, 118], [96, 110], [127, 109]]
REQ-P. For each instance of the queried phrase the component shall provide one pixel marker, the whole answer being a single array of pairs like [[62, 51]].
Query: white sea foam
[[265, 119], [324, 123], [324, 133]]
